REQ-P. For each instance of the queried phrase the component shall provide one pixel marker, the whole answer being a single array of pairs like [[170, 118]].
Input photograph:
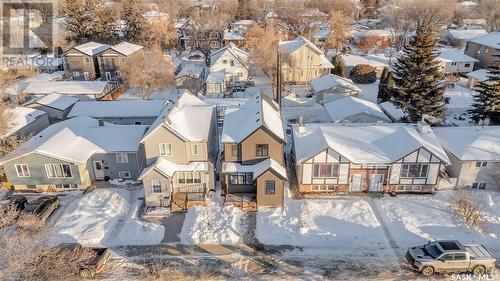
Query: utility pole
[[278, 74]]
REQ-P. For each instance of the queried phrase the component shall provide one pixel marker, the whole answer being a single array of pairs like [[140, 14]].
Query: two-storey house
[[81, 63], [474, 153], [117, 57], [486, 49], [231, 63], [302, 61], [253, 162], [180, 151], [354, 158], [73, 154]]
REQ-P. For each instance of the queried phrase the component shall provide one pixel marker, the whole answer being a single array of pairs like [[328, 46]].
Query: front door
[[108, 76], [356, 181], [376, 182], [98, 170]]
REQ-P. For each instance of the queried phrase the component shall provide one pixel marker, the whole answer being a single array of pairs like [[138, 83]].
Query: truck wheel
[[427, 271], [85, 273], [478, 270]]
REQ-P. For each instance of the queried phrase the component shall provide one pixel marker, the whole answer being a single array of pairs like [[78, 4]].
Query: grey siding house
[[24, 122], [55, 105], [81, 63], [116, 57], [73, 154]]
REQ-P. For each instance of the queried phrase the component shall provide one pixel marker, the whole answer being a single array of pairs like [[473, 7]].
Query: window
[[467, 65], [224, 61], [323, 188], [409, 187], [414, 170], [241, 178], [188, 177], [232, 62], [156, 186], [76, 74], [325, 170], [447, 257], [270, 187], [117, 73], [87, 60], [58, 171], [123, 60], [234, 150], [262, 150], [194, 149], [453, 63], [138, 123], [481, 164], [123, 174], [67, 186], [214, 44], [165, 149], [479, 185], [122, 158], [459, 257], [22, 170]]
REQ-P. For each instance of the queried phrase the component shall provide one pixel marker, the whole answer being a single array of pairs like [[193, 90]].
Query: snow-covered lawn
[[334, 223], [415, 219], [106, 217], [213, 224]]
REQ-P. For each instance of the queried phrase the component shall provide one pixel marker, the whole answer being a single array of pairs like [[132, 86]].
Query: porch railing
[[193, 188]]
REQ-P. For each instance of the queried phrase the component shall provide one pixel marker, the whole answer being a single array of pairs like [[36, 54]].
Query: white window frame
[[481, 164], [153, 186], [120, 174], [408, 187], [165, 145], [25, 173], [55, 174], [194, 149], [408, 176], [334, 170], [122, 157]]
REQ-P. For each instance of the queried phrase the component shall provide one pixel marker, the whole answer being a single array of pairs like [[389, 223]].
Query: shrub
[[363, 74], [467, 206]]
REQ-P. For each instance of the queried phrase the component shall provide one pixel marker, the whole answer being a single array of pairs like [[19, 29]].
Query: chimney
[[423, 127], [302, 128], [101, 122]]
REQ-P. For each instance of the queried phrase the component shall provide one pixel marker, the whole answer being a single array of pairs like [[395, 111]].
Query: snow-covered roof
[[186, 115], [225, 102], [57, 101], [216, 77], [258, 111], [491, 40], [66, 87], [334, 83], [455, 56], [480, 74], [192, 69], [19, 117], [471, 143], [365, 143], [230, 48], [257, 169], [121, 108], [345, 107], [464, 34], [167, 168], [126, 48], [351, 60], [92, 48], [374, 32], [233, 35], [392, 110], [78, 138]]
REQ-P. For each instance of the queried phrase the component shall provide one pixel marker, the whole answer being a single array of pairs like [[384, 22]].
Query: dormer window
[[262, 150]]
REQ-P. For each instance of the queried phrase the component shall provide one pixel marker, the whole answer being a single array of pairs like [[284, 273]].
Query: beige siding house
[[253, 168], [355, 158], [180, 150], [116, 57], [302, 61], [475, 156], [80, 62]]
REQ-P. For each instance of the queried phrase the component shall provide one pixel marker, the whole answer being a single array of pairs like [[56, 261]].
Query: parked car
[[95, 265], [18, 201], [450, 256], [42, 207]]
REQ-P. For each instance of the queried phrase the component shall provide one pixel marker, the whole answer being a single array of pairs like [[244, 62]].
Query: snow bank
[[338, 223], [213, 223], [106, 217], [414, 219]]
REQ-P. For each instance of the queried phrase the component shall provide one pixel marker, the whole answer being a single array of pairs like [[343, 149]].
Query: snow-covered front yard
[[106, 217]]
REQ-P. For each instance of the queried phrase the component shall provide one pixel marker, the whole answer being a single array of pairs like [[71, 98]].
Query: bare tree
[[263, 46], [293, 22], [490, 11], [346, 7], [339, 30], [161, 34], [153, 72]]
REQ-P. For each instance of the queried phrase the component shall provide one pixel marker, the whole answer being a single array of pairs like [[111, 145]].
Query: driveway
[[172, 224]]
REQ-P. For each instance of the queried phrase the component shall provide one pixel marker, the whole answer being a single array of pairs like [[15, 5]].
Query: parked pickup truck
[[450, 256]]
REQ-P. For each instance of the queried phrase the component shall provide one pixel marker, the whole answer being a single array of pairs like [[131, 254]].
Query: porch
[[184, 197], [246, 201]]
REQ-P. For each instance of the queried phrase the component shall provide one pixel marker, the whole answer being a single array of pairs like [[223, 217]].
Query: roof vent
[[423, 127], [302, 128]]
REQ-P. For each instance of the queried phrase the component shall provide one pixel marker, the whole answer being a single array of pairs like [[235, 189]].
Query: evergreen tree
[[487, 100], [418, 79], [134, 21], [338, 67], [88, 20], [385, 85]]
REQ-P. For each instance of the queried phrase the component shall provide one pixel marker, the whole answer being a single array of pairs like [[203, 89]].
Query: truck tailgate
[[479, 252]]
